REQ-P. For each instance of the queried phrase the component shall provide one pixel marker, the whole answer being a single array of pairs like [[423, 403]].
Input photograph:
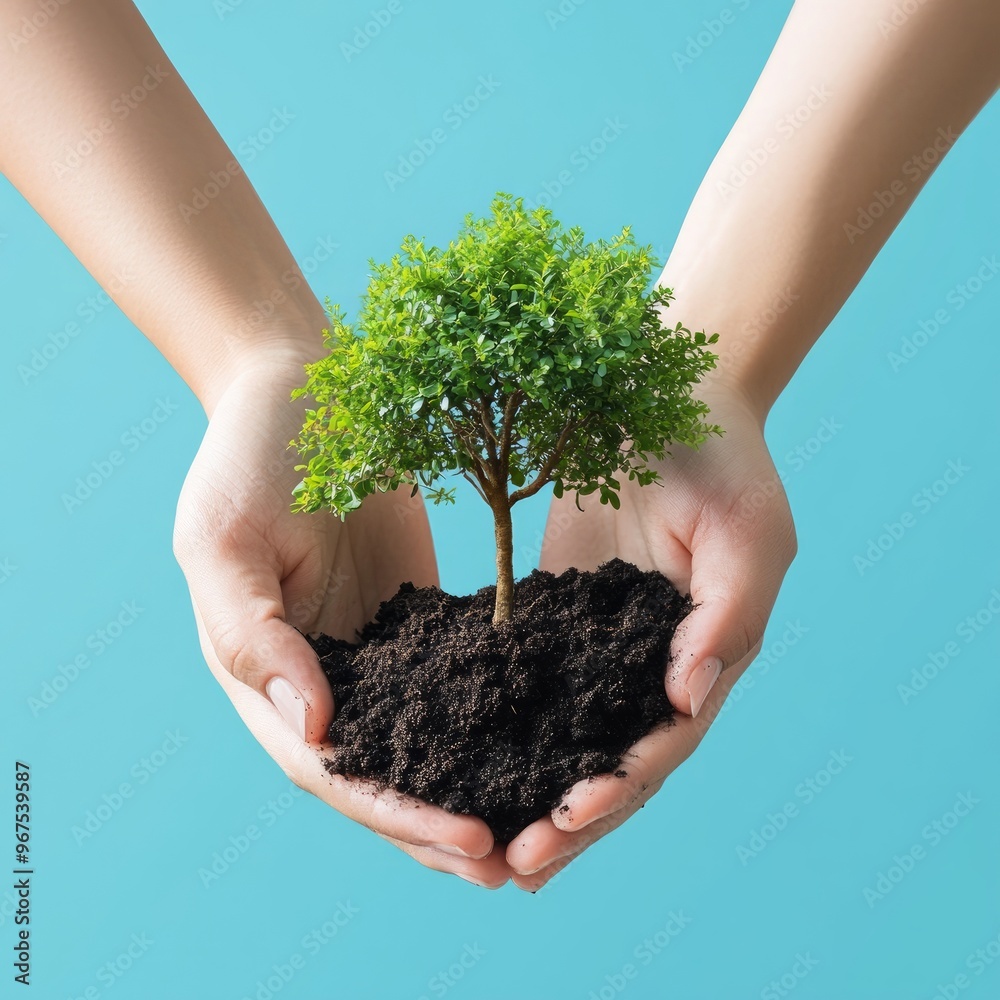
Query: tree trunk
[[504, 607]]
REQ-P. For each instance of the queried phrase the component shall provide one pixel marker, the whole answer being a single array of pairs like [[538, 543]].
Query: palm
[[718, 527], [260, 575], [333, 573]]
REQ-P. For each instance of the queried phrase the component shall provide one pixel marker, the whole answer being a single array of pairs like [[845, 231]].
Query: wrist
[[743, 371], [733, 385], [276, 355]]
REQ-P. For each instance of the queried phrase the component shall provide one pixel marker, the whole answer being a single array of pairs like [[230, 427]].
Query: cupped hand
[[718, 526], [260, 576]]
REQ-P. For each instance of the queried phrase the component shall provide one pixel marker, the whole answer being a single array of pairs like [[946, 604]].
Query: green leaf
[[515, 303]]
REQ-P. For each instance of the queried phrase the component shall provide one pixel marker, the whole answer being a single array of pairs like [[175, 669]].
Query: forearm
[[848, 111], [155, 205]]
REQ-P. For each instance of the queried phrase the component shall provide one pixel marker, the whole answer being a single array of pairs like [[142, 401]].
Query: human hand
[[257, 573], [719, 527]]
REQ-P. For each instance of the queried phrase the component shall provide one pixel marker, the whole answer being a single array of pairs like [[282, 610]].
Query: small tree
[[517, 357]]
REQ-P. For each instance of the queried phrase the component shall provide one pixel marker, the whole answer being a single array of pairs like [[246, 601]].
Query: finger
[[385, 811], [735, 577], [534, 882], [236, 591], [491, 872], [645, 766], [640, 768], [536, 846], [402, 817], [542, 845]]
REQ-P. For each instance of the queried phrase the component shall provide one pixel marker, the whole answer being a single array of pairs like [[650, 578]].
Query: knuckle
[[294, 766], [779, 528], [294, 775], [752, 623], [182, 543], [791, 541], [233, 650]]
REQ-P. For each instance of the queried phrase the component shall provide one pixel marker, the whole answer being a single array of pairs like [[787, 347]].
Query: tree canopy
[[517, 356]]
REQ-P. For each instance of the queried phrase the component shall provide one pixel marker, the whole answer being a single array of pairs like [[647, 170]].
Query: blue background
[[834, 689]]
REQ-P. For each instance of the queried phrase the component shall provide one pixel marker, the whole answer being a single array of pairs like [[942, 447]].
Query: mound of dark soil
[[498, 721]]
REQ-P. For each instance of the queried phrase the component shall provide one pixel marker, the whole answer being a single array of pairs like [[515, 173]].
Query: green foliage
[[519, 355]]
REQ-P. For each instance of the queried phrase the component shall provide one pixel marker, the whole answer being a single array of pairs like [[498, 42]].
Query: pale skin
[[719, 525]]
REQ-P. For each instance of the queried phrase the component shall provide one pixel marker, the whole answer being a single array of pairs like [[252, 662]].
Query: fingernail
[[451, 849], [292, 706], [702, 681], [531, 871], [474, 881]]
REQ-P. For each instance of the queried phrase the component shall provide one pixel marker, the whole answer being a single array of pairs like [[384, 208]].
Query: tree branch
[[476, 485], [514, 400], [548, 466], [482, 472], [490, 434]]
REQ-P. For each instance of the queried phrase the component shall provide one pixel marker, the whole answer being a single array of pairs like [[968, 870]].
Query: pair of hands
[[719, 526]]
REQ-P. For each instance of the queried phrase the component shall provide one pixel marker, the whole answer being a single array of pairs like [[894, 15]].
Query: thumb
[[734, 586], [243, 613]]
